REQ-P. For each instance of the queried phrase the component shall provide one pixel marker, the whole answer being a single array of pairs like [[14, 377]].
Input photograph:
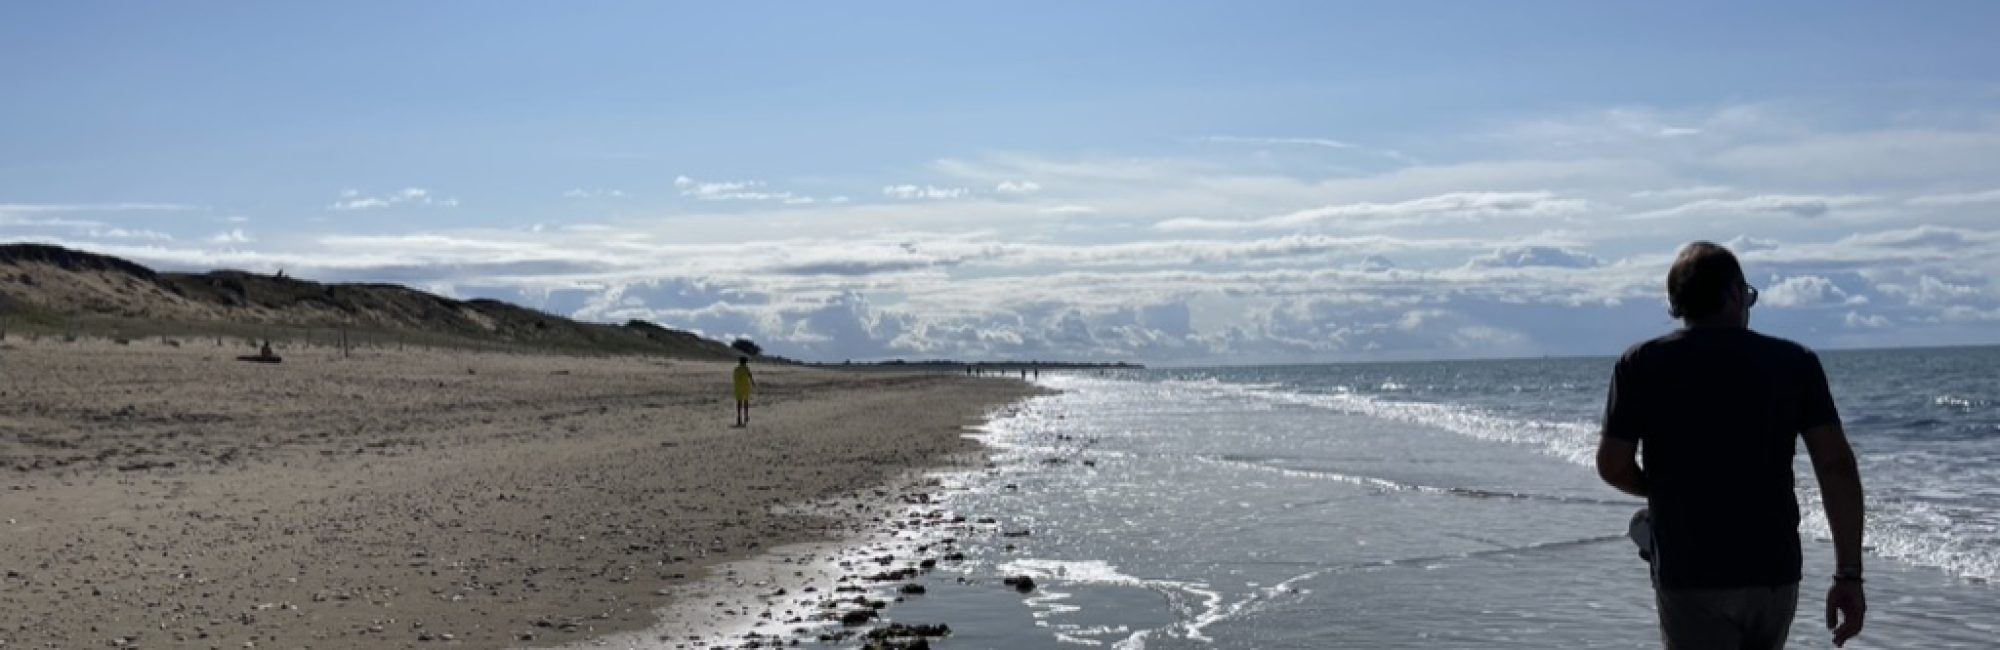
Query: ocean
[[1424, 505]]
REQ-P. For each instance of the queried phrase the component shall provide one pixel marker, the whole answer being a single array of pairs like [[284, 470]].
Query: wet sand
[[153, 495]]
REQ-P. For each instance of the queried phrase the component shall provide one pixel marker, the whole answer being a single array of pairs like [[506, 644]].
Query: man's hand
[[1844, 607]]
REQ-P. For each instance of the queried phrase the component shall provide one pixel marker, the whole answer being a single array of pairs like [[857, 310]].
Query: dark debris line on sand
[[856, 584]]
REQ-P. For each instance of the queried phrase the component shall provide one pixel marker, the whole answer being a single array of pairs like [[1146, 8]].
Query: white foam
[[1575, 442], [1099, 572], [1084, 571], [1135, 642]]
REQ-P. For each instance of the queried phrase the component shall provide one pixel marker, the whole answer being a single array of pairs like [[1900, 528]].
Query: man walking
[[743, 383], [1717, 410]]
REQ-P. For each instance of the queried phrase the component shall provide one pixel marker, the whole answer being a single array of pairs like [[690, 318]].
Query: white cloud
[[351, 199], [1373, 264], [360, 204], [1683, 192], [1922, 156], [21, 219], [594, 193], [731, 191], [1067, 210], [1636, 128], [1743, 244], [1805, 291], [1311, 142], [1017, 187], [1964, 314], [1443, 208], [1346, 300], [909, 192], [1530, 256], [233, 236], [126, 233], [1867, 321], [1967, 198], [1324, 143], [1803, 206], [1930, 291], [1180, 253]]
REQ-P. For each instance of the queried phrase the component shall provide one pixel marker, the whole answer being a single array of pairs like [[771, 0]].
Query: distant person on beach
[[1717, 409], [744, 382]]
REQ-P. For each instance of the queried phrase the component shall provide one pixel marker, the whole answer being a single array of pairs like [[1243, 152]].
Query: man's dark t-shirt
[[1717, 413]]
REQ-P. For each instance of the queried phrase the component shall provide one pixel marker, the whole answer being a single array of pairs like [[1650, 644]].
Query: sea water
[[1426, 505]]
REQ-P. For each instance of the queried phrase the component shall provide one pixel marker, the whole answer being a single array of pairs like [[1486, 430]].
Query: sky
[[1171, 183]]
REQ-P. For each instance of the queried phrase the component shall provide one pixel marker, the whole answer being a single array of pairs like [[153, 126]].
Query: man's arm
[[1624, 420], [1840, 488], [1618, 465], [1833, 462]]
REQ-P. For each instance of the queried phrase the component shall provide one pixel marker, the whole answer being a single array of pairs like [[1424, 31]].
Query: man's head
[[742, 361], [1706, 286]]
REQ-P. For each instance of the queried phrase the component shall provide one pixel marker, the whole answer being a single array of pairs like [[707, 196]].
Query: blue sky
[[1170, 182]]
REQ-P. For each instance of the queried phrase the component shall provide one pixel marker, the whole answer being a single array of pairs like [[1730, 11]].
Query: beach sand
[[156, 495]]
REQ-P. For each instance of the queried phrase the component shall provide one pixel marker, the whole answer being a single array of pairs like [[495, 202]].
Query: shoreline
[[800, 593], [163, 495]]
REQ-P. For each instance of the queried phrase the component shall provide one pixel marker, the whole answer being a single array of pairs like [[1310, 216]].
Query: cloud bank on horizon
[[1527, 230]]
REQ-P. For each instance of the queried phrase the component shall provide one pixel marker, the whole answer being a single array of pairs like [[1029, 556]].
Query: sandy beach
[[167, 495]]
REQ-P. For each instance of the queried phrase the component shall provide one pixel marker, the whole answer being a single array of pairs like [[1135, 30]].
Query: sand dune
[[159, 496], [61, 290]]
